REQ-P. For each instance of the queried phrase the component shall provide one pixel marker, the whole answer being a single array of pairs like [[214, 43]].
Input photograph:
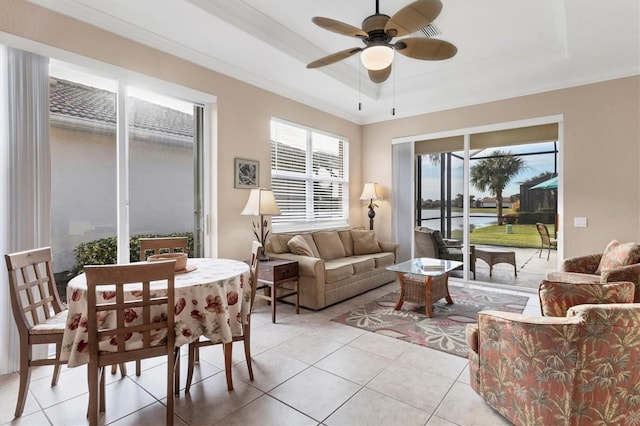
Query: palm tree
[[494, 173]]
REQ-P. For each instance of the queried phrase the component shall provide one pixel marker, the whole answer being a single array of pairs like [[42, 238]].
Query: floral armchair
[[557, 297], [575, 370], [619, 262]]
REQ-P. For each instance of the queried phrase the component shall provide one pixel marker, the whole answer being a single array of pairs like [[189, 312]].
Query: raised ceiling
[[506, 48]]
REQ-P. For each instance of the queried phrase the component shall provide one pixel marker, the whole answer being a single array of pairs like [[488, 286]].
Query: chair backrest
[[123, 328], [253, 268], [544, 233], [157, 245], [32, 287]]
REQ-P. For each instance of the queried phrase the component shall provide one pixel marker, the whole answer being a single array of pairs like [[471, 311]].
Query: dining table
[[212, 299]]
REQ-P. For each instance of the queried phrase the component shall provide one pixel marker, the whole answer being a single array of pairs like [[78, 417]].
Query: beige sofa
[[335, 265]]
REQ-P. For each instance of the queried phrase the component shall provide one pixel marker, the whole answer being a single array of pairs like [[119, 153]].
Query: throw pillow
[[364, 242], [298, 245], [347, 241], [279, 243], [617, 255], [329, 245]]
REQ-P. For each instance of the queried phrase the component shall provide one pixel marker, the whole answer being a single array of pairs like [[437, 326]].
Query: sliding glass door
[[511, 186], [159, 162]]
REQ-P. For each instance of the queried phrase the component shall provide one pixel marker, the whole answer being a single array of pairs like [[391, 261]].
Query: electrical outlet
[[580, 222]]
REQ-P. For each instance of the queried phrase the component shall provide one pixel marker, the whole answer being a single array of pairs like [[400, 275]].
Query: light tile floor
[[308, 370]]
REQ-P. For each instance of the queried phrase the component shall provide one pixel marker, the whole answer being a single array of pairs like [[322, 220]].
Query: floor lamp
[[261, 203], [370, 192]]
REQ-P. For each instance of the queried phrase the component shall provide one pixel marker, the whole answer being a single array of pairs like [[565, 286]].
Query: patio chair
[[110, 330], [246, 332], [429, 243], [545, 239]]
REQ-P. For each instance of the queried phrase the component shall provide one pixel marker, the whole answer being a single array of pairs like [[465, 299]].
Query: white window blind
[[309, 178]]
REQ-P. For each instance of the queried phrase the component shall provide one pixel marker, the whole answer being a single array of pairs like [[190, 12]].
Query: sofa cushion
[[337, 269], [279, 243], [362, 264], [617, 255], [298, 245], [383, 259], [364, 242], [347, 241], [329, 245]]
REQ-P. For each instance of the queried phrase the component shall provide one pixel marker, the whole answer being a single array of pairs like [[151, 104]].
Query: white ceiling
[[506, 48]]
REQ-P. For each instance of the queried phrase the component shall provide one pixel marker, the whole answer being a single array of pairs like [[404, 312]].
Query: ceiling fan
[[377, 33]]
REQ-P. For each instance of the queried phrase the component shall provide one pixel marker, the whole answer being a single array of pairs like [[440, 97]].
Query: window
[[309, 177]]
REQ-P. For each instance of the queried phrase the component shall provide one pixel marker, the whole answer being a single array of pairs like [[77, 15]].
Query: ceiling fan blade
[[339, 27], [413, 17], [335, 57], [430, 49], [380, 75]]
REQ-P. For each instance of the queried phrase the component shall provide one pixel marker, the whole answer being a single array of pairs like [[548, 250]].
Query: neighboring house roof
[[73, 100]]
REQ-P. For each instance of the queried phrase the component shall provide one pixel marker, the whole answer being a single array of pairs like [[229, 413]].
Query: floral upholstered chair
[[556, 297], [619, 262], [581, 369]]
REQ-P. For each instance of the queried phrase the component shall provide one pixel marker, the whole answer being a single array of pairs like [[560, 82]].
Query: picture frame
[[246, 173]]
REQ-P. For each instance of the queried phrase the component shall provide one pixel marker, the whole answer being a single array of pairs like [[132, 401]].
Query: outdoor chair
[[545, 239], [110, 330], [246, 331], [429, 243]]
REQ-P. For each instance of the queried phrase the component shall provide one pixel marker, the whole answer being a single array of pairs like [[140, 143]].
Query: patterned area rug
[[445, 331]]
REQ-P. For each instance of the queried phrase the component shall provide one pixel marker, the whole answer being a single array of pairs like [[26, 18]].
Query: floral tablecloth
[[210, 302]]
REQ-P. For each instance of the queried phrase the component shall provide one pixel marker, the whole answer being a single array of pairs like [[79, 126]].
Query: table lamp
[[370, 192], [261, 203]]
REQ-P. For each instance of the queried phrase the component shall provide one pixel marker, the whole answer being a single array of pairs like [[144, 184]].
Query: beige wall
[[601, 152], [244, 111], [601, 133]]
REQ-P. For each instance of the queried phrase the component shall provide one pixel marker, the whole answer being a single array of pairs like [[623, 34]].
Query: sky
[[535, 165]]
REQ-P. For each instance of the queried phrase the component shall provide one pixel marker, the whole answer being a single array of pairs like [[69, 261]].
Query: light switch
[[580, 222]]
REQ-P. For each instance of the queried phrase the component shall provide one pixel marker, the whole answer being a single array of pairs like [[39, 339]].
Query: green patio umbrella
[[547, 184]]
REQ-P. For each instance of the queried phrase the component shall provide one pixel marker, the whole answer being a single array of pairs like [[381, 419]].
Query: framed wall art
[[247, 173]]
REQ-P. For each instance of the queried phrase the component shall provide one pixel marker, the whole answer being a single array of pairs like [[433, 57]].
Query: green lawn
[[521, 236]]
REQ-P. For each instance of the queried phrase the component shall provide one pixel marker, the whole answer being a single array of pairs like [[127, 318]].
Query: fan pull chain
[[359, 86], [393, 108]]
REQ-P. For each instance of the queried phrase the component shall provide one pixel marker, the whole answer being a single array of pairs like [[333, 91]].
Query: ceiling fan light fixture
[[377, 57]]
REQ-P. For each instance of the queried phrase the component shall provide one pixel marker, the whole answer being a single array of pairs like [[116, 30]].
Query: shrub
[[104, 250], [531, 218]]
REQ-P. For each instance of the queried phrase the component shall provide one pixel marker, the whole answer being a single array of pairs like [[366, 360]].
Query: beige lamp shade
[[370, 191], [261, 202]]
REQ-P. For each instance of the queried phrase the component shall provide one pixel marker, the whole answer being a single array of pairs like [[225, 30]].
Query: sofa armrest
[[308, 266], [390, 247], [582, 264], [557, 297]]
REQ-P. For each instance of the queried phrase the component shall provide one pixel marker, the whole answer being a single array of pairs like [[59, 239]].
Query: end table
[[271, 274]]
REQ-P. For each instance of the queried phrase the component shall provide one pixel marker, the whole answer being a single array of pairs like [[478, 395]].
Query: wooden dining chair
[[545, 239], [165, 245], [194, 347], [151, 246], [110, 326], [37, 311]]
